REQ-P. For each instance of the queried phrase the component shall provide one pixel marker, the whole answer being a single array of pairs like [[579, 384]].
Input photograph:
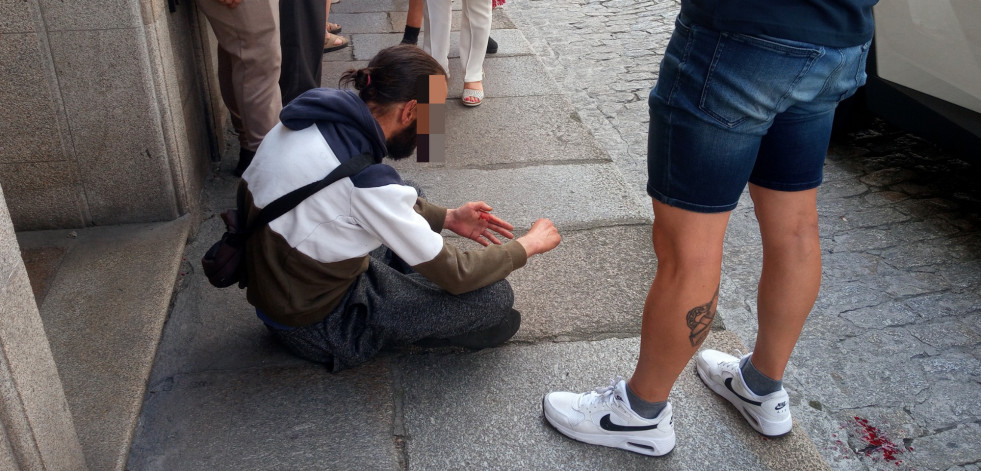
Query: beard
[[402, 144]]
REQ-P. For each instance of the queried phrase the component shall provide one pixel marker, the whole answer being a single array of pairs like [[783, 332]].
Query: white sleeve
[[388, 213]]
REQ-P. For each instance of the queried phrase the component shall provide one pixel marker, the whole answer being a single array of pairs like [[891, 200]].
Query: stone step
[[104, 294]]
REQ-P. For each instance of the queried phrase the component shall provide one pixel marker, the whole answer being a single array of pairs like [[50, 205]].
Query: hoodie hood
[[342, 118]]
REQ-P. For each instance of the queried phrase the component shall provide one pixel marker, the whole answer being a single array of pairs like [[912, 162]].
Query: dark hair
[[392, 75]]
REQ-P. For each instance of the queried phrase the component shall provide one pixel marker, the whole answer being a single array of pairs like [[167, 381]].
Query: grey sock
[[759, 383], [647, 410]]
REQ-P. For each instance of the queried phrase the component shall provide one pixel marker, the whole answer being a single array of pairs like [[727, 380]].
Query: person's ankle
[[642, 407], [757, 382]]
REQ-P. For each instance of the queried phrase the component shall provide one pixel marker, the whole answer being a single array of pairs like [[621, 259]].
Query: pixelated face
[[431, 119]]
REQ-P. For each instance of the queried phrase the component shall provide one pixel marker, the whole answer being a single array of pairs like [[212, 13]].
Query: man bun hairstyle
[[392, 75]]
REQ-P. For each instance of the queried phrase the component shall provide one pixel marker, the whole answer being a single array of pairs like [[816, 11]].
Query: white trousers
[[474, 32]]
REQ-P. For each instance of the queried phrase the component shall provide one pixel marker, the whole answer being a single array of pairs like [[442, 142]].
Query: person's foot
[[333, 42], [491, 46], [332, 28], [769, 414], [604, 417], [473, 93]]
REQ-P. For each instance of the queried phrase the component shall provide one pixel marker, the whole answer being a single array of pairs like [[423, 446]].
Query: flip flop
[[471, 93], [333, 28], [333, 42]]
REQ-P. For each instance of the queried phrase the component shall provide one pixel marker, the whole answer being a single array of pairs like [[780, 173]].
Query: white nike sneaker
[[769, 415], [604, 417]]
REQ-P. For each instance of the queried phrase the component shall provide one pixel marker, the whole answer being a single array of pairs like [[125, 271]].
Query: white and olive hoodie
[[302, 263]]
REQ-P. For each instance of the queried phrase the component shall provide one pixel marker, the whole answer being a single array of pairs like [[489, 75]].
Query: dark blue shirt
[[834, 23]]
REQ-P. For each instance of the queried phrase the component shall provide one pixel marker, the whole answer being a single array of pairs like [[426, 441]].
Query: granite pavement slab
[[296, 418], [580, 291], [566, 194], [512, 131], [483, 411]]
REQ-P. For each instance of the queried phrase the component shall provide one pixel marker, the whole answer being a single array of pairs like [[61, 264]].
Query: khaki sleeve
[[459, 271], [434, 215]]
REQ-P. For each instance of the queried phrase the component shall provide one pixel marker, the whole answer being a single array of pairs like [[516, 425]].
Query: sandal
[[333, 42], [333, 28], [476, 95]]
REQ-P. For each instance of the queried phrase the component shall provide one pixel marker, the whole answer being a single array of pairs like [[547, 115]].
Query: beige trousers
[[249, 60], [474, 32]]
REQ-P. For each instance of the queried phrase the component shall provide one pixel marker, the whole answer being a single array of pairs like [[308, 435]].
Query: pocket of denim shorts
[[681, 25], [749, 78]]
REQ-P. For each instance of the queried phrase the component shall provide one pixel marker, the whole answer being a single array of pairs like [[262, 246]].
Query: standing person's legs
[[225, 83], [436, 23], [783, 186], [332, 41], [302, 24], [784, 190], [791, 274], [249, 66], [474, 31], [681, 303], [709, 113], [474, 35]]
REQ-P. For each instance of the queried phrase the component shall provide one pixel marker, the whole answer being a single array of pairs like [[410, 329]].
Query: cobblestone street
[[886, 374]]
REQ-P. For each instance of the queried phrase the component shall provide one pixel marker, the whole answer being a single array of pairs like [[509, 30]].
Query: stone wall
[[107, 111], [36, 429]]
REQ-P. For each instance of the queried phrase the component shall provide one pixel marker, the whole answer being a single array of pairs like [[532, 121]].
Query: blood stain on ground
[[879, 446]]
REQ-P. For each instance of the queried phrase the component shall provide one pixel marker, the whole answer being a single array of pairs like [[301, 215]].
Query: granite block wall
[[107, 112]]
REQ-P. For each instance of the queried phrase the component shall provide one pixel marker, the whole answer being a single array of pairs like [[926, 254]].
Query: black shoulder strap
[[285, 203]]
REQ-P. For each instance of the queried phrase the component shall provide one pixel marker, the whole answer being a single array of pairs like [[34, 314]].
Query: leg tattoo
[[700, 320]]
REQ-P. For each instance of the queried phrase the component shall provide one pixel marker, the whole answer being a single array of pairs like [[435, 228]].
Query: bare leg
[[414, 17], [791, 275], [683, 298]]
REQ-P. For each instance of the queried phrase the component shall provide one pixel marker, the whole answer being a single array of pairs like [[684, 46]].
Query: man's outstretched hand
[[542, 237], [474, 221]]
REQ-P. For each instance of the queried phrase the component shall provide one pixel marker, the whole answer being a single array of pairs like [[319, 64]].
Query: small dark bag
[[224, 262]]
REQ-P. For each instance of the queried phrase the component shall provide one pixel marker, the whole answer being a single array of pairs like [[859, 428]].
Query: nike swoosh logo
[[729, 386], [608, 425]]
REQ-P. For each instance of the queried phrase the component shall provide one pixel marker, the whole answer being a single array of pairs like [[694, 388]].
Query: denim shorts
[[731, 108]]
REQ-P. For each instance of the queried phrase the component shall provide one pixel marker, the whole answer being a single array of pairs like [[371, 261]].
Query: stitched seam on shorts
[[776, 48]]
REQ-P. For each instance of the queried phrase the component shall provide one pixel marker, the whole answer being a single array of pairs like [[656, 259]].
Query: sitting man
[[311, 277]]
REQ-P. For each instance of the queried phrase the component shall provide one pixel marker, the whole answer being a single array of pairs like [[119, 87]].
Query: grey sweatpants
[[390, 305]]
